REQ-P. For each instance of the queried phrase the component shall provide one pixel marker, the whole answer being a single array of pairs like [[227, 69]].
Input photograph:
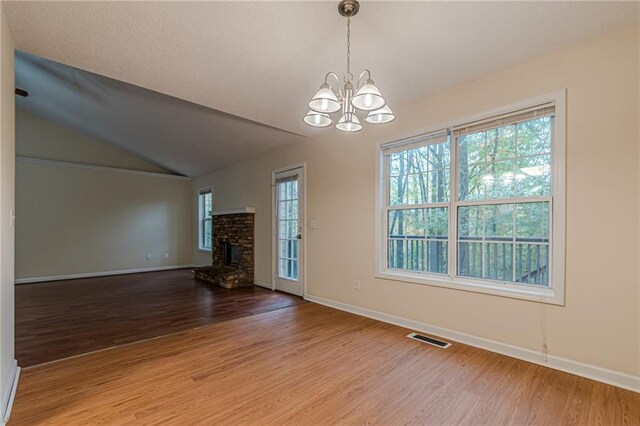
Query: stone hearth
[[232, 249]]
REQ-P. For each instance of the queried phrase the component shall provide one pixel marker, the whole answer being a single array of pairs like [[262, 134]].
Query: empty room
[[319, 212]]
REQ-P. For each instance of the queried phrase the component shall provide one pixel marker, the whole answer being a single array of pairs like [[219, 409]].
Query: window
[[205, 208], [474, 206]]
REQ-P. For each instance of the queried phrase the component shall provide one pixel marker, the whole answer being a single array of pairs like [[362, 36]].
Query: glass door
[[289, 232]]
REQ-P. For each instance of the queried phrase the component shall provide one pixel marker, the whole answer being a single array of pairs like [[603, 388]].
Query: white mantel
[[234, 211]]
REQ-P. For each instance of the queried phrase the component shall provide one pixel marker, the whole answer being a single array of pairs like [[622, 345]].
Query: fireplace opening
[[231, 254]]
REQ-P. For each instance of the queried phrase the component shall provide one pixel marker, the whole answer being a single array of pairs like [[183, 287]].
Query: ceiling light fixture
[[366, 97]]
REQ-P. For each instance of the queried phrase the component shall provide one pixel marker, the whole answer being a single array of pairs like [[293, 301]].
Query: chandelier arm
[[335, 90], [366, 71], [331, 74]]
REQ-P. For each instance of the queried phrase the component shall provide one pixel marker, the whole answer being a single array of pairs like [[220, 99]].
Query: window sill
[[524, 292], [204, 250]]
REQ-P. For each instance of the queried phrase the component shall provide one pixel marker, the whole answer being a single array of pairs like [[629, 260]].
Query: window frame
[[201, 218], [555, 292]]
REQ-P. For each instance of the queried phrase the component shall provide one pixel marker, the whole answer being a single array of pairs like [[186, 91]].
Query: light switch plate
[[313, 224]]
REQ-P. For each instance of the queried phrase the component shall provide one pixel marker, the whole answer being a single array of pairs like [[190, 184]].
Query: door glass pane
[[287, 203]]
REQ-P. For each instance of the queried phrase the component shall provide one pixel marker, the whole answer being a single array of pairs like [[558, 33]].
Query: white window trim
[[200, 217], [555, 294]]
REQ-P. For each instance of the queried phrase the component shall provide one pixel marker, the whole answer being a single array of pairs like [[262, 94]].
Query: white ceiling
[[263, 60]]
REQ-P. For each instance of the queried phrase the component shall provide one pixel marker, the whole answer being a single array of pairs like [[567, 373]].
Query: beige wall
[[7, 163], [602, 276], [81, 220], [44, 139]]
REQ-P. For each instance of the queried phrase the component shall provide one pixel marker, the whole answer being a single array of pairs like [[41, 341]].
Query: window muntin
[[205, 209], [500, 207]]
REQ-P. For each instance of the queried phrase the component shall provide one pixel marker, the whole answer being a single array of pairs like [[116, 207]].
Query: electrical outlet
[[166, 255], [148, 256], [356, 285]]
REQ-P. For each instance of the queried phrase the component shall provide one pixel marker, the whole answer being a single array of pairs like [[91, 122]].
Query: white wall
[[74, 220], [41, 138], [602, 275], [7, 155]]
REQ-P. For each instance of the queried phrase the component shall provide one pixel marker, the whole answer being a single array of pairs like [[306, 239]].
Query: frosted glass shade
[[349, 123], [317, 119], [380, 116], [325, 101], [368, 98]]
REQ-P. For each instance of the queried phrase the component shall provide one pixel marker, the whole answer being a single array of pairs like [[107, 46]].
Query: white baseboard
[[593, 372], [8, 404], [99, 274], [263, 284]]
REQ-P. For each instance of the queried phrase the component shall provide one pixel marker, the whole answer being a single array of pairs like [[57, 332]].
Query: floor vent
[[429, 340]]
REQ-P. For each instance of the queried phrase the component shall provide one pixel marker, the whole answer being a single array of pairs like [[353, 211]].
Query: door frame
[[303, 224]]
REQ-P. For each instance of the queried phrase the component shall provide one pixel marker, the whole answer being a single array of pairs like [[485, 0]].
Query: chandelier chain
[[348, 76]]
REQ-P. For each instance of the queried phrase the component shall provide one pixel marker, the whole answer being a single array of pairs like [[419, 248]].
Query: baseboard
[[99, 274], [8, 404], [615, 378], [263, 284]]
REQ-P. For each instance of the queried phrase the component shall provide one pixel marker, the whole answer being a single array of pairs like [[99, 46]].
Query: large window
[[205, 208], [474, 206]]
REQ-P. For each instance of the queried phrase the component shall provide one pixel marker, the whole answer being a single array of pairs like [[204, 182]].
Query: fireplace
[[232, 256], [230, 253]]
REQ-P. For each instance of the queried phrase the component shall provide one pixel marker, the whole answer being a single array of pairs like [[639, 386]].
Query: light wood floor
[[309, 364]]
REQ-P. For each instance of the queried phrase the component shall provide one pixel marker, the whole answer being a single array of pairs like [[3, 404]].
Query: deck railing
[[525, 260]]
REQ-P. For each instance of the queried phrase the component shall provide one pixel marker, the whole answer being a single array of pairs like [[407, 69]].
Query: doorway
[[289, 230]]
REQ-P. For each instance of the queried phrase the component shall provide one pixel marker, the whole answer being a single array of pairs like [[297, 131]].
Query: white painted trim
[[520, 291], [303, 167], [289, 168], [555, 294], [235, 211], [101, 168], [604, 375], [263, 284], [8, 404], [201, 192], [100, 274]]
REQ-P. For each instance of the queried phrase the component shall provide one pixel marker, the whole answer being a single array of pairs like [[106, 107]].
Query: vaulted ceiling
[[261, 61]]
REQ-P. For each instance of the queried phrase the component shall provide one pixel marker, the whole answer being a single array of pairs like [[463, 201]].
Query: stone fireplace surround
[[231, 228]]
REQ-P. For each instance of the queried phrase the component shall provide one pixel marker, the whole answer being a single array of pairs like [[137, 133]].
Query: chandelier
[[347, 100]]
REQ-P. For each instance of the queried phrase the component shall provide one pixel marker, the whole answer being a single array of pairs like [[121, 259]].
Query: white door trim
[[303, 223]]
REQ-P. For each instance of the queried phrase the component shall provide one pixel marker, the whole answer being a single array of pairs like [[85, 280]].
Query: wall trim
[[55, 163], [100, 274], [8, 404], [604, 375]]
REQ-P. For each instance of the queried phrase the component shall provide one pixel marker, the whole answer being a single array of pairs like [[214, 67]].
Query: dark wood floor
[[309, 365], [60, 319]]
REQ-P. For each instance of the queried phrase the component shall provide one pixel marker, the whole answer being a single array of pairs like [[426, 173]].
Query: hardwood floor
[[309, 364], [59, 319]]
